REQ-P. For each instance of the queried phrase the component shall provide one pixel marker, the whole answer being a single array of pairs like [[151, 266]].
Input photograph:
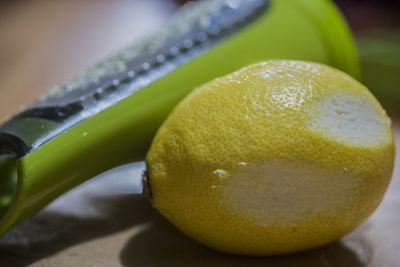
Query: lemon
[[277, 157]]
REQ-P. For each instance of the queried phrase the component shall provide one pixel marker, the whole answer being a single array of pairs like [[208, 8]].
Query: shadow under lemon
[[158, 243], [162, 244]]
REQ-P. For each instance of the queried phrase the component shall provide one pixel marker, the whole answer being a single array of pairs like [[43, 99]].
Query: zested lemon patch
[[292, 190], [351, 118], [278, 157]]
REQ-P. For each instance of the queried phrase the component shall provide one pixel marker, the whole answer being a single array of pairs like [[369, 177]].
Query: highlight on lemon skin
[[277, 157]]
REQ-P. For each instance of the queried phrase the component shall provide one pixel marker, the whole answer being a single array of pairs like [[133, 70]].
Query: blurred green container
[[380, 63]]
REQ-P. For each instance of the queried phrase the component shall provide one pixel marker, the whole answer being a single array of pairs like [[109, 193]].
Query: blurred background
[[44, 42]]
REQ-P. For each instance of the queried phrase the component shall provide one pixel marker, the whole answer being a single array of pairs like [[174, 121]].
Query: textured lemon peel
[[257, 120]]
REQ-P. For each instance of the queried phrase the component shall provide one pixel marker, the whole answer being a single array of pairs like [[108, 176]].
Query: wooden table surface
[[42, 43]]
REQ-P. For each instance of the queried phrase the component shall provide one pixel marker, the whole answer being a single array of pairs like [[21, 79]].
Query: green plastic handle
[[291, 29]]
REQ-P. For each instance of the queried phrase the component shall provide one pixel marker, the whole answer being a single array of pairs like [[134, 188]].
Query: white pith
[[286, 193], [349, 118]]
